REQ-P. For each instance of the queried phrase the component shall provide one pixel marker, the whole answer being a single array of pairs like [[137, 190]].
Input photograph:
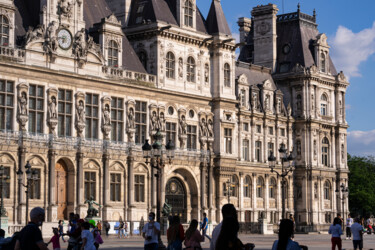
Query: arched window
[[234, 187], [327, 190], [247, 187], [324, 104], [226, 75], [188, 13], [4, 31], [260, 185], [325, 151], [170, 65], [112, 54], [322, 62], [272, 187], [190, 70], [143, 58]]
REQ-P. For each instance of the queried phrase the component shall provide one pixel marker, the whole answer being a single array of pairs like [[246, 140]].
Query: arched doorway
[[61, 190], [175, 195]]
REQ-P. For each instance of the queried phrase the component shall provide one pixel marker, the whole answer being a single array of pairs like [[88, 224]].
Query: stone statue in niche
[[206, 73], [131, 122], [162, 122], [80, 115], [65, 8], [106, 115], [340, 107], [182, 125], [267, 103], [203, 128], [79, 45], [22, 104], [255, 101], [299, 148], [342, 153], [315, 151], [278, 105], [51, 42], [299, 103], [210, 128], [35, 34], [180, 67], [315, 190], [154, 121], [312, 102], [299, 191], [52, 105]]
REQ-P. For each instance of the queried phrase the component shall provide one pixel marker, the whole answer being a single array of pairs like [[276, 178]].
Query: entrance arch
[[61, 190], [175, 195]]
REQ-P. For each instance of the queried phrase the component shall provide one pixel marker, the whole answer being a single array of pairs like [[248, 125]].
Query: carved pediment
[[117, 167], [91, 165], [140, 168], [112, 19], [242, 79]]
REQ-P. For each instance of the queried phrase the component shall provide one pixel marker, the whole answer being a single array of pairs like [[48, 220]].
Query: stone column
[[343, 108], [21, 191], [211, 213], [130, 184], [106, 188], [80, 185], [52, 210], [254, 200], [266, 195], [240, 199], [203, 169], [153, 190]]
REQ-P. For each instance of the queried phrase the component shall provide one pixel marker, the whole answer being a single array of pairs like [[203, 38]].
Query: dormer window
[[4, 31], [190, 70], [226, 75], [323, 104], [113, 54], [188, 13], [322, 62]]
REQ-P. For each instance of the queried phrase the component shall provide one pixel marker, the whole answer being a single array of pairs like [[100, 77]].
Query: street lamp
[[286, 168], [31, 177], [155, 157], [229, 188], [3, 179], [345, 191]]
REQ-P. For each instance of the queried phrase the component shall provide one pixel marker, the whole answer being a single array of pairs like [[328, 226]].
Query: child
[[61, 229], [55, 239]]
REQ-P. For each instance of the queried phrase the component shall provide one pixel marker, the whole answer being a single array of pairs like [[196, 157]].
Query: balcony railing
[[119, 73], [12, 53]]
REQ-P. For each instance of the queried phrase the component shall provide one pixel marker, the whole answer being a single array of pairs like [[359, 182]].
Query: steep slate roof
[[216, 22], [26, 14], [254, 75]]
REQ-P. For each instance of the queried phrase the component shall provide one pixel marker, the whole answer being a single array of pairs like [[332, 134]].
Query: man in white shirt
[[228, 210], [150, 233], [357, 231], [349, 223]]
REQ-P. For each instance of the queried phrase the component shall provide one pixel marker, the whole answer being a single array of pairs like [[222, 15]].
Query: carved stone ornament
[[95, 49], [263, 28], [341, 76], [80, 113], [51, 43], [22, 107], [130, 125], [106, 117], [298, 68], [65, 8], [80, 45], [313, 69], [289, 110], [52, 117], [162, 120], [34, 34], [182, 127]]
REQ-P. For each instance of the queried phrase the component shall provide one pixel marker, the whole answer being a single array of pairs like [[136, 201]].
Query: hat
[[92, 222]]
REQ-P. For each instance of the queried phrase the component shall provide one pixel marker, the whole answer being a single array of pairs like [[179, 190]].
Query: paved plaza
[[262, 242]]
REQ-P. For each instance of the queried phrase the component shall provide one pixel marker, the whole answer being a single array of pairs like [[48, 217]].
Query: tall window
[[35, 188], [115, 187], [188, 13], [90, 185], [139, 188], [327, 190], [170, 132], [234, 186], [258, 151], [228, 140], [112, 54], [323, 104], [140, 121], [117, 118], [260, 185], [270, 130], [190, 69], [270, 148], [259, 129], [243, 97], [6, 104], [143, 58], [282, 131], [247, 187], [191, 137], [36, 108], [170, 65], [6, 186], [322, 62], [226, 75], [272, 187], [325, 151], [65, 109], [245, 149], [4, 31], [92, 116]]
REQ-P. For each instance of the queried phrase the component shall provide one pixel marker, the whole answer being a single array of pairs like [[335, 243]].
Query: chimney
[[121, 8], [245, 25], [264, 24]]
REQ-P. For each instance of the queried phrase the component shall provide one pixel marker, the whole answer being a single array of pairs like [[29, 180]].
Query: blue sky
[[350, 27]]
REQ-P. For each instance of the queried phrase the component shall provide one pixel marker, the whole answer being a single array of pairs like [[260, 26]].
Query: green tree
[[361, 185]]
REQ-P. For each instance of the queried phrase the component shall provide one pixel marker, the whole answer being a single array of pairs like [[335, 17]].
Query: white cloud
[[350, 49], [361, 143]]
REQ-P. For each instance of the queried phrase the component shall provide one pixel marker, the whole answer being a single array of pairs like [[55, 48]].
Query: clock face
[[65, 39]]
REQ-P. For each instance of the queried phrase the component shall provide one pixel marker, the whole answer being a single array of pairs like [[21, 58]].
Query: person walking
[[30, 237], [87, 237], [126, 229], [55, 240], [121, 229], [349, 223], [204, 225], [285, 241], [336, 231], [60, 228], [150, 233], [99, 226], [357, 234], [228, 210], [193, 237], [175, 234], [107, 227]]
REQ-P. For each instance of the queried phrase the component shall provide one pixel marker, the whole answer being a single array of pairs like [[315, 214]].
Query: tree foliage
[[361, 185]]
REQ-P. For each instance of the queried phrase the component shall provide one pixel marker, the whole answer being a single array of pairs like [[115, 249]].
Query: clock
[[65, 39]]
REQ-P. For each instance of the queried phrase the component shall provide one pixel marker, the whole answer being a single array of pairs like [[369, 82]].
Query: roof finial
[[314, 14], [299, 7]]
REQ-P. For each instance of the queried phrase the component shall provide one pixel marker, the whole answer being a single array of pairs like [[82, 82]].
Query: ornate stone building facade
[[84, 83]]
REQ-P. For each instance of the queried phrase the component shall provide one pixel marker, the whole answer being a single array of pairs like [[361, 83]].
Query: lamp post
[[229, 188], [3, 179], [286, 168], [31, 176], [344, 191], [154, 156]]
